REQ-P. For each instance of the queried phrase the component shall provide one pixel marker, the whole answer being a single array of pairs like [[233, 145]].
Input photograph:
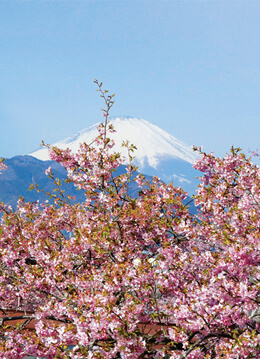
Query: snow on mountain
[[158, 152]]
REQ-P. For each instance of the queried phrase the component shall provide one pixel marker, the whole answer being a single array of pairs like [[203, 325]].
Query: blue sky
[[190, 67]]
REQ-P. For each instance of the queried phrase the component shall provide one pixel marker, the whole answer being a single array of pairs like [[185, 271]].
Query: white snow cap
[[153, 144]]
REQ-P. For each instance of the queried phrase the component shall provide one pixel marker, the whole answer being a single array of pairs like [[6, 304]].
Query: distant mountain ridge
[[158, 153], [22, 171]]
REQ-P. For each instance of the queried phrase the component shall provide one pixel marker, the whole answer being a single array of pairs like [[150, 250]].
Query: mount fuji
[[158, 153]]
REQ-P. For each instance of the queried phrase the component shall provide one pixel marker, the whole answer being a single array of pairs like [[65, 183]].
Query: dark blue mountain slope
[[22, 171]]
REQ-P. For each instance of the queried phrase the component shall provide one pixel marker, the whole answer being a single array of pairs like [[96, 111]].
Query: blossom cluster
[[123, 277]]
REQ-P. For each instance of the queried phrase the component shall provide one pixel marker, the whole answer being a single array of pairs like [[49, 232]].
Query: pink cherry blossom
[[122, 277]]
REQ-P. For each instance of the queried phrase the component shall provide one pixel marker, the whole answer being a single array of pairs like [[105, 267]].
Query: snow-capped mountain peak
[[158, 152], [153, 144]]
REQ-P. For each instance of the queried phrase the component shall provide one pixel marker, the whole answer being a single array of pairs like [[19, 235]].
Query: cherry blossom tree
[[122, 277]]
